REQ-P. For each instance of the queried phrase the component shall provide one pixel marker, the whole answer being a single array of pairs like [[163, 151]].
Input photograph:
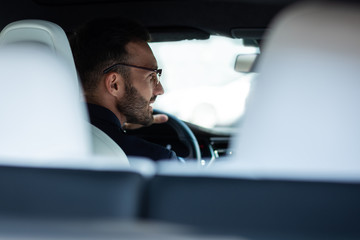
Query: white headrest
[[44, 123], [41, 115], [304, 111], [42, 32]]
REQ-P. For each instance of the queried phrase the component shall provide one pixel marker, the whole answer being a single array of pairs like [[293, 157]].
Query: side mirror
[[245, 63]]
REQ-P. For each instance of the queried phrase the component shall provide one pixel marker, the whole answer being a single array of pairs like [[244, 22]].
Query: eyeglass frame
[[157, 71]]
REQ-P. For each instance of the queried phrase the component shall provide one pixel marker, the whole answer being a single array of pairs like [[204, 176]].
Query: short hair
[[101, 43]]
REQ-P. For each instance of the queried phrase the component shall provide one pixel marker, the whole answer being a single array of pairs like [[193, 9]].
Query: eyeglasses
[[157, 71]]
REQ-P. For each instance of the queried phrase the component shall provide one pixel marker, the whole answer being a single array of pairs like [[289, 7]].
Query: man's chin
[[151, 119], [148, 121]]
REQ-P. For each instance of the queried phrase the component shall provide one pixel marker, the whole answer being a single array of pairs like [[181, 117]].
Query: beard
[[135, 107]]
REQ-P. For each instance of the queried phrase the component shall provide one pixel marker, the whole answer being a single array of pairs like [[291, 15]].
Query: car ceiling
[[170, 19]]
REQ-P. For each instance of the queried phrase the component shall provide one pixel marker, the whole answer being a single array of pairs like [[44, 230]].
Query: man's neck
[[110, 107]]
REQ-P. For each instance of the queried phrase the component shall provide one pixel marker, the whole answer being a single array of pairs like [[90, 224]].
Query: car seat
[[41, 32], [52, 36], [42, 116], [302, 116], [43, 105], [294, 172]]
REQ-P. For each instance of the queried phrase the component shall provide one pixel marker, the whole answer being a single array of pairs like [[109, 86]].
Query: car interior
[[282, 162]]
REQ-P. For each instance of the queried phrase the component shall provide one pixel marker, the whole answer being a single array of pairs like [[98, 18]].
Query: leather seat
[[40, 32], [295, 172], [52, 37], [103, 145], [302, 117]]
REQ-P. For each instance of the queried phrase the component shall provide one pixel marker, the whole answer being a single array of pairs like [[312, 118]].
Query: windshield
[[201, 85]]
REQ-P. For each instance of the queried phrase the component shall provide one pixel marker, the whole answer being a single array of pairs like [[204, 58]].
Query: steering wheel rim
[[185, 135]]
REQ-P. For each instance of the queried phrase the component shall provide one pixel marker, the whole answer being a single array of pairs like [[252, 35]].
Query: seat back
[[295, 170], [53, 37], [103, 145], [42, 32], [41, 115], [256, 208], [303, 115], [55, 193]]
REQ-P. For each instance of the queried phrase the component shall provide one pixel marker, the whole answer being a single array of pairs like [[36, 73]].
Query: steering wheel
[[174, 134]]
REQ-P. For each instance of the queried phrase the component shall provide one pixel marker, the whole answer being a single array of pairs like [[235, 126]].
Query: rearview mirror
[[245, 63]]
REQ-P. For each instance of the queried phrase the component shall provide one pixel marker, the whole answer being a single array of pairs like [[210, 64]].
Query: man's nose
[[159, 90]]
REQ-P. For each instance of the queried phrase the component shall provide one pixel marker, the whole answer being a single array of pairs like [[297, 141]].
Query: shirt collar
[[99, 113]]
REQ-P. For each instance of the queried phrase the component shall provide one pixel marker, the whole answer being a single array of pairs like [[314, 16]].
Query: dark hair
[[101, 43]]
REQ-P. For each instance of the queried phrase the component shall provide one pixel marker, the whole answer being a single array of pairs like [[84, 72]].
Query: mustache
[[153, 99]]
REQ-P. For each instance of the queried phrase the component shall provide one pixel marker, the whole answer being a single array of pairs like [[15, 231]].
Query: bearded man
[[121, 80]]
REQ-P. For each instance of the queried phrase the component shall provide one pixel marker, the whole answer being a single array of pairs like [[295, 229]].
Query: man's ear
[[113, 84]]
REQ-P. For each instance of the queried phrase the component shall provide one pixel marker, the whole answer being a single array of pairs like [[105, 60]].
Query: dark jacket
[[107, 121]]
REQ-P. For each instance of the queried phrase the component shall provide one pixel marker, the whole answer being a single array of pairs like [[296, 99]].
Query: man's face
[[141, 89]]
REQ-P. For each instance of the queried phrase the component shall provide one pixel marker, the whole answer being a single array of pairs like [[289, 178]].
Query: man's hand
[[158, 118]]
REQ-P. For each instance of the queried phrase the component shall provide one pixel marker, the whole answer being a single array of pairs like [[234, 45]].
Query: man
[[120, 78]]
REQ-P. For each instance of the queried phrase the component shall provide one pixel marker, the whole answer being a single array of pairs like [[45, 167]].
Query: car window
[[201, 85]]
